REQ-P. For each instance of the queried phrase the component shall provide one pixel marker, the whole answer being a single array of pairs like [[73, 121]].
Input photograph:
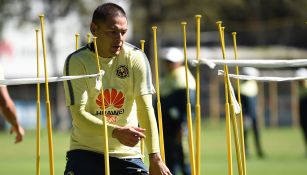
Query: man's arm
[[128, 136], [9, 110], [147, 120], [88, 122]]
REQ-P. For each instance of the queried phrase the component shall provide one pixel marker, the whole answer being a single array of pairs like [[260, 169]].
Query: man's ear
[[93, 28]]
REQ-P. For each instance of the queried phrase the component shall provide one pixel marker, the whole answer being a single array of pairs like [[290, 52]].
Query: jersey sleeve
[[88, 122], [75, 90], [142, 75], [147, 120]]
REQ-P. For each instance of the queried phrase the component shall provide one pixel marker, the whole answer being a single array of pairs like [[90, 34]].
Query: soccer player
[[127, 99], [8, 109], [249, 92], [173, 100], [302, 105]]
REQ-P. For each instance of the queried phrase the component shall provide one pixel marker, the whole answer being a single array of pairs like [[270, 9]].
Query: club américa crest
[[122, 71]]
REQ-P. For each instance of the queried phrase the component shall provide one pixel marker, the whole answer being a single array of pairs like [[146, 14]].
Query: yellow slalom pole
[[241, 124], [104, 118], [77, 40], [234, 119], [142, 45], [189, 113], [154, 28], [142, 141], [88, 37], [228, 131], [38, 126], [197, 107], [236, 134], [49, 124]]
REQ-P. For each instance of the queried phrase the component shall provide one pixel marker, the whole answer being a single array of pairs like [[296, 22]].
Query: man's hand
[[19, 133], [128, 136], [156, 165]]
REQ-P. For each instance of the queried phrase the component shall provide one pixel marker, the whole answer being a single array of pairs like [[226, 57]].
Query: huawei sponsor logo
[[111, 98], [113, 101]]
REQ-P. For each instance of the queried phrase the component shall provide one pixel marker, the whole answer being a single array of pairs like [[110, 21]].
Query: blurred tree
[[27, 12], [262, 22], [258, 22]]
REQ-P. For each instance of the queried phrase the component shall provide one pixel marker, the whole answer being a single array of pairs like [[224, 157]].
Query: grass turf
[[283, 148]]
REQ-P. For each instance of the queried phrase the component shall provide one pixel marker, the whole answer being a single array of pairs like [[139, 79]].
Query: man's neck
[[92, 48]]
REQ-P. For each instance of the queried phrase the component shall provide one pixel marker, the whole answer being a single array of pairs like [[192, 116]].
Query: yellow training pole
[[241, 124], [104, 118], [77, 41], [197, 107], [142, 44], [189, 113], [234, 119], [142, 141], [38, 126], [235, 131], [48, 109], [228, 131], [88, 37], [154, 28]]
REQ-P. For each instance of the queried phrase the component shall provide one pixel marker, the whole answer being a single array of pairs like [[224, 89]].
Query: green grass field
[[283, 148]]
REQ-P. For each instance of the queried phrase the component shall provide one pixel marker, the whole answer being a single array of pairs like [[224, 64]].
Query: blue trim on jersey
[[148, 72], [70, 88], [133, 46]]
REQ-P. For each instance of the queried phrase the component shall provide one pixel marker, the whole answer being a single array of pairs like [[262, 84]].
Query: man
[[8, 109], [302, 105], [127, 98], [249, 92], [173, 101]]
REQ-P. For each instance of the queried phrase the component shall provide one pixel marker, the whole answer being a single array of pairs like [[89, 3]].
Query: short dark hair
[[106, 10]]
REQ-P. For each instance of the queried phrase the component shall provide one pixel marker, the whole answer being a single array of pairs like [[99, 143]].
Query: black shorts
[[82, 162]]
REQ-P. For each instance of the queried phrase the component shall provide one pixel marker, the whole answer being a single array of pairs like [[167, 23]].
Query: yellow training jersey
[[126, 76]]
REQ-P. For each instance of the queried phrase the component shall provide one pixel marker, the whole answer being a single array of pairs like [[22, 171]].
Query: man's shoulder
[[130, 47], [79, 54], [132, 52]]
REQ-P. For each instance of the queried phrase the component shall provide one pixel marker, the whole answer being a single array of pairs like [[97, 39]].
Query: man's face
[[110, 35]]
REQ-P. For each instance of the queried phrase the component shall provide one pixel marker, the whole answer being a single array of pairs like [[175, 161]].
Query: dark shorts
[[81, 162]]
